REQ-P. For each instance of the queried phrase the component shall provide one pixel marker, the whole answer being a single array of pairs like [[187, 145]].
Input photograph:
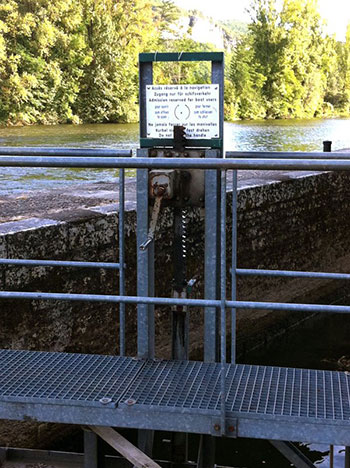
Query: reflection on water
[[276, 135], [287, 135]]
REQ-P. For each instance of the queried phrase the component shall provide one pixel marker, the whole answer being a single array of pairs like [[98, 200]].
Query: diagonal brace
[[292, 453], [124, 447]]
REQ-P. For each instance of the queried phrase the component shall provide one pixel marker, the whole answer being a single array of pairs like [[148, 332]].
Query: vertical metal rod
[[347, 457], [217, 77], [121, 261], [145, 259], [145, 78], [91, 453], [234, 266], [211, 260], [223, 299], [331, 456], [145, 268]]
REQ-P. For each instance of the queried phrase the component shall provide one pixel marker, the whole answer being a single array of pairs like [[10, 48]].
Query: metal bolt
[[201, 199], [202, 154], [130, 402], [186, 199], [231, 429], [217, 427], [159, 190], [153, 153], [186, 155], [105, 400]]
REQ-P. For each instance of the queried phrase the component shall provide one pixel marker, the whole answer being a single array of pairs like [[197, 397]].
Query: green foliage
[[71, 60], [286, 67], [76, 60]]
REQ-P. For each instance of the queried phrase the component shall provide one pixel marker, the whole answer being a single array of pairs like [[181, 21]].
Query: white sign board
[[196, 107]]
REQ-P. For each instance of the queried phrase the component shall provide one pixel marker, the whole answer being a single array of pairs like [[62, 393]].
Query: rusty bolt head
[[186, 155], [231, 429], [159, 190], [153, 153], [202, 154], [130, 402], [217, 427]]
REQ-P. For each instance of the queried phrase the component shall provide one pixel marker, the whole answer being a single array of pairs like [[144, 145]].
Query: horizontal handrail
[[178, 163], [288, 155], [51, 151], [58, 263], [170, 301], [292, 274]]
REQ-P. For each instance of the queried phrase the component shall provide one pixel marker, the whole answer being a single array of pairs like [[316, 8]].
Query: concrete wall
[[289, 221]]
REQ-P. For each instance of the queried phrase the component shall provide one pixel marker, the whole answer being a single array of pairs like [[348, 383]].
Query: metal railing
[[233, 161]]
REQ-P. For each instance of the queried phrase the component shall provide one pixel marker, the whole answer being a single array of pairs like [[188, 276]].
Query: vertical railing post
[[145, 259], [212, 255], [234, 266], [121, 261], [211, 259], [223, 299], [145, 268]]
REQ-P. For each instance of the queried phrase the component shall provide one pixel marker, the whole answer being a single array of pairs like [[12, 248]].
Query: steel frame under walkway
[[215, 398]]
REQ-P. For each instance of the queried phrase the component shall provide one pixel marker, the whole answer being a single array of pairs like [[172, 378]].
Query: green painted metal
[[153, 142], [181, 57]]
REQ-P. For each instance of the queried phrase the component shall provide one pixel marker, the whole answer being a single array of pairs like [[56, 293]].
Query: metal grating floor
[[180, 384], [79, 379], [62, 377], [252, 390], [288, 392]]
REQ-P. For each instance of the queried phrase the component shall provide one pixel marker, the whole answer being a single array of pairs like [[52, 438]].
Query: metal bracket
[[186, 187]]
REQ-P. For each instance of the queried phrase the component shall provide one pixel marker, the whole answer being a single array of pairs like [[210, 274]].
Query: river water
[[277, 135], [312, 345]]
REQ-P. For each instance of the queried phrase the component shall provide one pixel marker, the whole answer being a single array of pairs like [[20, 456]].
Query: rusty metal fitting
[[130, 402], [159, 190], [231, 428], [217, 427]]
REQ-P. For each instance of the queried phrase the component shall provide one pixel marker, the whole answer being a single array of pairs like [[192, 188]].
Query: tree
[[247, 81], [279, 70]]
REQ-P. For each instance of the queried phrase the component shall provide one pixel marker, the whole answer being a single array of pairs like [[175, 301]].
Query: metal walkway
[[216, 397], [261, 402]]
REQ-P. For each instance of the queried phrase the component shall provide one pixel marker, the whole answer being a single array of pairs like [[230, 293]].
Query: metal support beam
[[234, 266], [211, 260], [292, 453], [92, 457], [124, 447], [145, 269], [347, 457]]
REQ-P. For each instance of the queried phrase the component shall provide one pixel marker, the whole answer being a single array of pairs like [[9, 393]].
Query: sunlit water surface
[[276, 135]]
